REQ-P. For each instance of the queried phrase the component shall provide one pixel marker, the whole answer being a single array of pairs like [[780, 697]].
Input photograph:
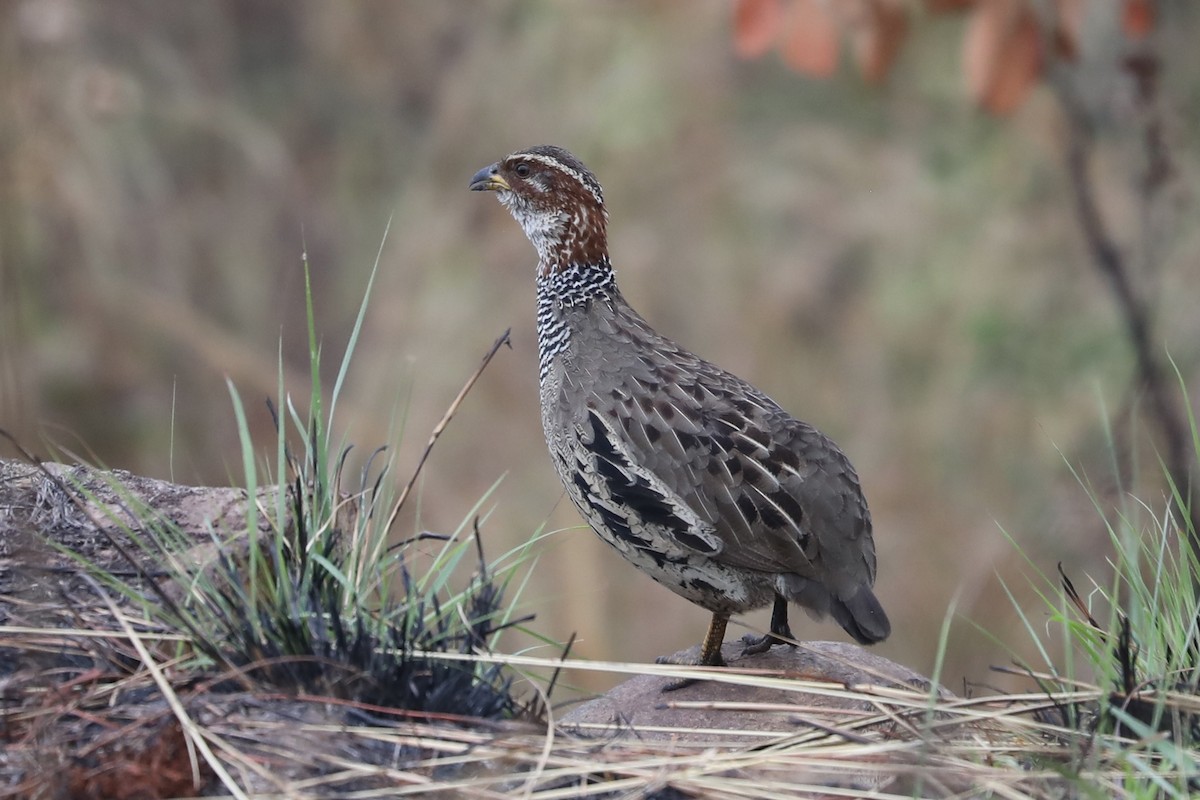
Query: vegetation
[[899, 270], [1114, 713], [316, 611]]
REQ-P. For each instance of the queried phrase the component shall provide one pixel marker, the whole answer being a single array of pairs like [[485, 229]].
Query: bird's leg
[[781, 632], [710, 652]]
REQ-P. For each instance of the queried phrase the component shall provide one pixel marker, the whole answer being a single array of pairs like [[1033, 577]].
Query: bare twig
[[1152, 377], [445, 420]]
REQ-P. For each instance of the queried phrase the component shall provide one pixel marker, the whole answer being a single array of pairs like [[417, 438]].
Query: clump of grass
[[1133, 641], [313, 596]]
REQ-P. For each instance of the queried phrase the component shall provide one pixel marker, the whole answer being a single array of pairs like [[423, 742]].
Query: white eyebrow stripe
[[578, 176]]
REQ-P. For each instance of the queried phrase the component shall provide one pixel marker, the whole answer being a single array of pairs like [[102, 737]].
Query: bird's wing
[[769, 492]]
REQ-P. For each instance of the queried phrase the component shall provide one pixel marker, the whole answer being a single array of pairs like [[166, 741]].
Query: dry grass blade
[[910, 745], [974, 747], [1072, 595], [196, 736]]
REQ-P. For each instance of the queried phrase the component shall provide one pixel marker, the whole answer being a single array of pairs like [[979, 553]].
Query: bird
[[696, 477]]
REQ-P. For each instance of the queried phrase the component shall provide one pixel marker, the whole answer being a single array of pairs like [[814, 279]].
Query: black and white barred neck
[[563, 288]]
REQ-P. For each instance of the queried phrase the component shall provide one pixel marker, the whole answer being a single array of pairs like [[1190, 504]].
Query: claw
[[710, 653], [781, 632]]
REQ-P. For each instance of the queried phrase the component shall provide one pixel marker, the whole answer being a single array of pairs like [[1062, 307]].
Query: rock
[[54, 517], [714, 710]]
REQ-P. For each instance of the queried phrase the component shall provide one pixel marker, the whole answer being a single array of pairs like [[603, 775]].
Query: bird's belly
[[694, 576], [705, 582]]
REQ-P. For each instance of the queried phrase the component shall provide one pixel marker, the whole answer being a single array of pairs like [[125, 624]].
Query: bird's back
[[708, 467]]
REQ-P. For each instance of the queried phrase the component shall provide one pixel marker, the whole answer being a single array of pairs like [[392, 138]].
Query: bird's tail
[[862, 617]]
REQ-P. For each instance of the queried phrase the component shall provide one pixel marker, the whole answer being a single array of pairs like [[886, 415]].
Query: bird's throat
[[561, 292]]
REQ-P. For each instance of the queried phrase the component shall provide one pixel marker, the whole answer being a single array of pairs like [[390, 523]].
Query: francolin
[[696, 477]]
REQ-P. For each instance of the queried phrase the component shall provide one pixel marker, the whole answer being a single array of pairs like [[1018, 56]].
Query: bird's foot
[[781, 632], [682, 683], [710, 653], [755, 645]]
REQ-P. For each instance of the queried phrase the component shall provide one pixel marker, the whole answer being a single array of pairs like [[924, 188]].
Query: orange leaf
[[1138, 18], [981, 46], [1002, 54], [756, 26], [1020, 67], [878, 36], [1068, 25], [812, 39]]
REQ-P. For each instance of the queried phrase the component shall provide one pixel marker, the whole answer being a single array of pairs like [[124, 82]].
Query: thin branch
[[441, 426], [1135, 311]]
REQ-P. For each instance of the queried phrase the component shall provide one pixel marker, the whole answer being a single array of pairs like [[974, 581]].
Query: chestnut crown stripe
[[563, 161]]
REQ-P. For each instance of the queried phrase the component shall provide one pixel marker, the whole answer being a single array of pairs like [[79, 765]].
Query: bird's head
[[557, 201]]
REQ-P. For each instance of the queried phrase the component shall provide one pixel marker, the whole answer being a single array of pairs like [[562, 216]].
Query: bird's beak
[[488, 180]]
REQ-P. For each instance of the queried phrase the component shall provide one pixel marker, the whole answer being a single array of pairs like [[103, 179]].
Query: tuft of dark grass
[[311, 595], [1136, 639], [322, 604], [307, 635]]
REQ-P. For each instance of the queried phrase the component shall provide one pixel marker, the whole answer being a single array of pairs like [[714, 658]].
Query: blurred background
[[887, 261]]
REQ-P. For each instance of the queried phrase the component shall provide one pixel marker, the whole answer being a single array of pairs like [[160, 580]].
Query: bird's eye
[[522, 170]]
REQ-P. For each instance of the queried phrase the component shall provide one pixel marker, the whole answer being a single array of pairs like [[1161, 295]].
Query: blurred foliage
[[888, 264]]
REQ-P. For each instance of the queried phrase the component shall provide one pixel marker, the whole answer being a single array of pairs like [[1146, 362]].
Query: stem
[[1152, 377]]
